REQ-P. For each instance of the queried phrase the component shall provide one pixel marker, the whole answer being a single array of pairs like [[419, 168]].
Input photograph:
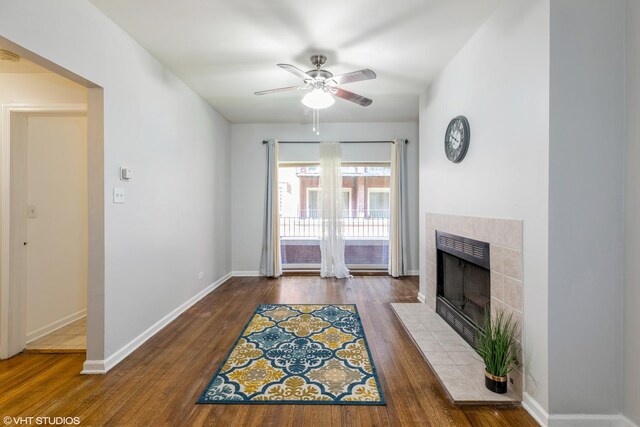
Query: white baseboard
[[535, 409], [413, 273], [103, 366], [246, 274], [53, 326], [588, 420], [626, 422], [93, 367], [572, 420], [421, 297]]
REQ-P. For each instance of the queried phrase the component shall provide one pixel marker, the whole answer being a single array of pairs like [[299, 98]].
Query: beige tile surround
[[505, 237]]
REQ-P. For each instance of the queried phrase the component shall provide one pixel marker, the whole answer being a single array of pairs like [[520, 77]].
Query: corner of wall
[[535, 409], [631, 274]]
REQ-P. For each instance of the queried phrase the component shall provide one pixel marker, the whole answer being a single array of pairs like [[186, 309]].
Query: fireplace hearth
[[463, 283]]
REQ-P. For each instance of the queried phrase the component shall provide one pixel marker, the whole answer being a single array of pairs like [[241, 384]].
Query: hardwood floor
[[160, 383]]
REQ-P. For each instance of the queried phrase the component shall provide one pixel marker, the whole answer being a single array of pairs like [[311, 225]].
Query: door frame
[[9, 342]]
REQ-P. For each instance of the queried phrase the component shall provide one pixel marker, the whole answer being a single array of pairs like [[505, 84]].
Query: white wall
[[249, 170], [39, 88], [586, 223], [58, 234], [500, 82], [174, 223], [631, 372]]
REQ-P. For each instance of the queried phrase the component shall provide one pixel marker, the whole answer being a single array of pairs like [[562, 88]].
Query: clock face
[[456, 139]]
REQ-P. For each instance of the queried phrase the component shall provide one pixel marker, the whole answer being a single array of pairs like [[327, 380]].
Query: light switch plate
[[32, 212], [118, 195]]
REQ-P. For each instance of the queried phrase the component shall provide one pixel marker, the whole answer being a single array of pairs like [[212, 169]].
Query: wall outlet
[[118, 195], [201, 275]]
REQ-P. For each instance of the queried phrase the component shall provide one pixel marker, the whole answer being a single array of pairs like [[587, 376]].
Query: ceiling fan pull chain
[[318, 118]]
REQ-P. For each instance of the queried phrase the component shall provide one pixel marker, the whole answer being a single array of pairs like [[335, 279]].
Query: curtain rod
[[406, 141]]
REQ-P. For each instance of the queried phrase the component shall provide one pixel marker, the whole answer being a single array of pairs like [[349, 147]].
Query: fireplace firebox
[[464, 283]]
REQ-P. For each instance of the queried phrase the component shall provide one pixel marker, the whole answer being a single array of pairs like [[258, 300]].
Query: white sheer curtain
[[270, 261], [332, 262], [398, 234]]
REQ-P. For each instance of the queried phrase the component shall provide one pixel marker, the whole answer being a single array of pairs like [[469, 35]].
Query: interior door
[[47, 225]]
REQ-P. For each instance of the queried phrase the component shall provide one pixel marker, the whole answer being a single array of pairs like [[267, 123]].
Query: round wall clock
[[456, 139]]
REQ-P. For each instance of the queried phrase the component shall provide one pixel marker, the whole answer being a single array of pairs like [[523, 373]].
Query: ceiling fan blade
[[353, 97], [295, 71], [280, 89], [354, 76]]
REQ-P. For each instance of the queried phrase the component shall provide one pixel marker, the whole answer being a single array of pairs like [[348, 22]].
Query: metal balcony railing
[[307, 224]]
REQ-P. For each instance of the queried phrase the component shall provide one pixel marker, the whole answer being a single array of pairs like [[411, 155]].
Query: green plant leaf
[[496, 343]]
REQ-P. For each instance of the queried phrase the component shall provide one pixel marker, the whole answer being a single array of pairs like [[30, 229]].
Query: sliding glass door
[[365, 219]]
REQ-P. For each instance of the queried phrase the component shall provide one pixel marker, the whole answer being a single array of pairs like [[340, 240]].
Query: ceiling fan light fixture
[[318, 99]]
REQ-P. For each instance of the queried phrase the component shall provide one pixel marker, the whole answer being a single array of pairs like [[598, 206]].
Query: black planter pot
[[495, 384]]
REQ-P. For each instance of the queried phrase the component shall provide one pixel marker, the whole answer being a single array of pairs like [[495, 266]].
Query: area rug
[[298, 354]]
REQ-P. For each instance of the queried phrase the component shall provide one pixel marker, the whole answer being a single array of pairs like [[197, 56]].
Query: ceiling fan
[[323, 84]]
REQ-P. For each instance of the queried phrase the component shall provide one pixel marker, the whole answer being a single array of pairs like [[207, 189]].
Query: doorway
[[48, 228], [33, 85]]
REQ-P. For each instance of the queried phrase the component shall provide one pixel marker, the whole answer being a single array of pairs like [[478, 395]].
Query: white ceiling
[[227, 49]]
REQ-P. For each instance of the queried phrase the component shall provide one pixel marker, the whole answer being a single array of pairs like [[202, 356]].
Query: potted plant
[[497, 345]]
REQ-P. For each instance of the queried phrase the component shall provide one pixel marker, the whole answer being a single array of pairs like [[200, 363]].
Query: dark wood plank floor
[[160, 383]]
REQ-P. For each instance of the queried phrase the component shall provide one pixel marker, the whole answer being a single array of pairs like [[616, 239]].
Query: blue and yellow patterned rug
[[298, 354]]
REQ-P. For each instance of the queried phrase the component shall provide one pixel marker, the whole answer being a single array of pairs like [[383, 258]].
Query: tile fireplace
[[485, 252]]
